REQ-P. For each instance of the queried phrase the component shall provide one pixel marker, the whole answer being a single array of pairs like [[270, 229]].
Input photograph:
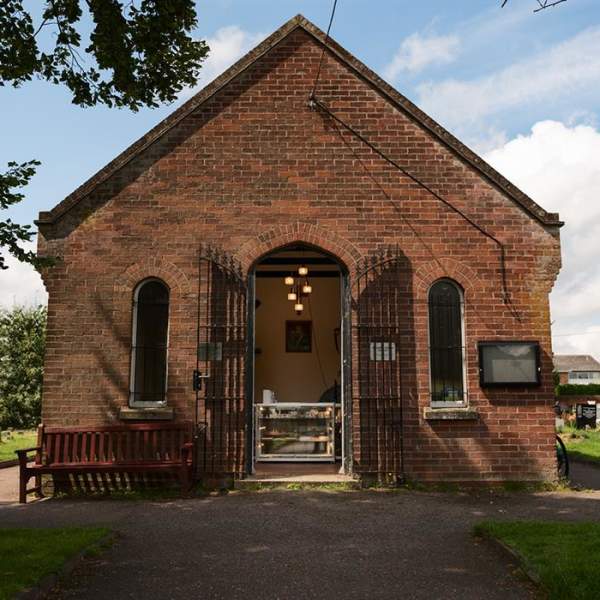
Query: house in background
[[579, 369], [319, 275]]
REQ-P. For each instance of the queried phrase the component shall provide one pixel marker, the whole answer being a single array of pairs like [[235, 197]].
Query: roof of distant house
[[575, 362]]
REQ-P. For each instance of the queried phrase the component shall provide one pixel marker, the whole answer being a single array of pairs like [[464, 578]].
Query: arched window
[[149, 343], [446, 344]]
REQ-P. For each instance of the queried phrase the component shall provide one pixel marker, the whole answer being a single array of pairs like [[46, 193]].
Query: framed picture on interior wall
[[298, 336]]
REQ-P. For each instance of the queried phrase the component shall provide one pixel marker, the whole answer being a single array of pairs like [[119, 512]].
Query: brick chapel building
[[321, 276]]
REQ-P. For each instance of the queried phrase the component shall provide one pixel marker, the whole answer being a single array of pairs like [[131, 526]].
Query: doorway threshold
[[298, 473]]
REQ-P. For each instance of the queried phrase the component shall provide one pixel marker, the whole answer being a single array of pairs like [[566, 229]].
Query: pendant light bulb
[[289, 280], [306, 288], [298, 307], [292, 295], [303, 271]]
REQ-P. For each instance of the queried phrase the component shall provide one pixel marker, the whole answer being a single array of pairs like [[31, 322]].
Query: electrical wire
[[387, 195], [573, 334], [314, 89], [310, 314], [314, 103]]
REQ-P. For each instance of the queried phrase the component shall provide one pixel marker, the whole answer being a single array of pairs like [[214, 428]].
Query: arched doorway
[[298, 409]]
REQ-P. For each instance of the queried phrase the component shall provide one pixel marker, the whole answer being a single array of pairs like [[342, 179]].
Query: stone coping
[[164, 413], [450, 414]]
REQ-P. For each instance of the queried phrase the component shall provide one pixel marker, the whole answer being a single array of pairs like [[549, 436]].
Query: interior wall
[[296, 377]]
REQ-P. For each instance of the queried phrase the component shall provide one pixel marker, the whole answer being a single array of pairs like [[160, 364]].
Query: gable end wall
[[255, 168]]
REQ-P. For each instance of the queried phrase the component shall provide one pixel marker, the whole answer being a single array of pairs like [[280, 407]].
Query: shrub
[[22, 344]]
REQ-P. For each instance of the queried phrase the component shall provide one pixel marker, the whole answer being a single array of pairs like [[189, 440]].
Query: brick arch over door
[[308, 233]]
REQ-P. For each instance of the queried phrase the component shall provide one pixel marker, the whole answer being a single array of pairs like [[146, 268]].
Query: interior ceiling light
[[292, 295], [303, 271], [289, 280], [306, 288], [298, 307]]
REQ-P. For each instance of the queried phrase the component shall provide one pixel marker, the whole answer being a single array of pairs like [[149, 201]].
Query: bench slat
[[101, 436], [93, 457], [126, 428], [84, 442], [57, 447], [65, 442]]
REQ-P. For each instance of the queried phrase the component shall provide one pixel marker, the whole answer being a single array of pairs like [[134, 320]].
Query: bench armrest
[[23, 451], [22, 454]]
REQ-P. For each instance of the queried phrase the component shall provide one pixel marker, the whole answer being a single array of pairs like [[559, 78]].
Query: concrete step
[[300, 480]]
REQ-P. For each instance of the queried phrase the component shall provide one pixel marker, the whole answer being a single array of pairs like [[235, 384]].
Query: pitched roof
[[563, 363], [393, 96]]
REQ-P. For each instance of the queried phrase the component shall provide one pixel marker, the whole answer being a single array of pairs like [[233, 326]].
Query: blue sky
[[516, 86]]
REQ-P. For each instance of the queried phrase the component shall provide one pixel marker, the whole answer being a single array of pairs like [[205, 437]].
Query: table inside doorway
[[287, 431]]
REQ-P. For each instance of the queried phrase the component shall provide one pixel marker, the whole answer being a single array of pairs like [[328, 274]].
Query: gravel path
[[301, 544]]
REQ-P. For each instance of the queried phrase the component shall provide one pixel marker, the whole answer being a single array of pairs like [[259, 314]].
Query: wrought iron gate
[[380, 300], [221, 364]]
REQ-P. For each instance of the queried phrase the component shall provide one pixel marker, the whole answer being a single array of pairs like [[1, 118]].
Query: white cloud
[[227, 45], [585, 341], [558, 166], [572, 66], [21, 283], [418, 52]]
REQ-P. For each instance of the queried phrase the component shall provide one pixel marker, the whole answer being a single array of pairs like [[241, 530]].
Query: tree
[[139, 54], [542, 4], [22, 344]]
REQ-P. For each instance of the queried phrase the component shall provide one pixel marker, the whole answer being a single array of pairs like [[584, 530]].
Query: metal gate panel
[[377, 336], [221, 364]]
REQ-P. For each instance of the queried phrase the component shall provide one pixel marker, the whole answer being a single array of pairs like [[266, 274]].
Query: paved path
[[9, 485], [280, 545], [585, 475]]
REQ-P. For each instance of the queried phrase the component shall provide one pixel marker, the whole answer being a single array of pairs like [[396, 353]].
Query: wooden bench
[[135, 448]]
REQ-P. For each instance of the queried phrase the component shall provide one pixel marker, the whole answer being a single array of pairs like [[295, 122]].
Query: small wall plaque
[[379, 351]]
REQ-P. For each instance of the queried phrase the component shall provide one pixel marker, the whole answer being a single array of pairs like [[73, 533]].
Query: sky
[[518, 87]]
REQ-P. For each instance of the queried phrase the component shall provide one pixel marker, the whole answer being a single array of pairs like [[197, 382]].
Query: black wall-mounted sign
[[585, 416], [509, 364]]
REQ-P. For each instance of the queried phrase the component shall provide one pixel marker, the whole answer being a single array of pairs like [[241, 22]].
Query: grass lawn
[[14, 440], [582, 444], [28, 555], [565, 556]]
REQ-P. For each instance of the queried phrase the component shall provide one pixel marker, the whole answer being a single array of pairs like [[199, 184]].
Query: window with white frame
[[584, 377], [149, 344], [446, 344]]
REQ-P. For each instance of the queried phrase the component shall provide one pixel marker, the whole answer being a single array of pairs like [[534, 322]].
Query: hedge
[[578, 389]]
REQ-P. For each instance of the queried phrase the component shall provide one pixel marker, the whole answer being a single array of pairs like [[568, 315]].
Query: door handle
[[197, 379]]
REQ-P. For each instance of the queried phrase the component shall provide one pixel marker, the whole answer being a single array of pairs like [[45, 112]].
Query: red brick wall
[[255, 168]]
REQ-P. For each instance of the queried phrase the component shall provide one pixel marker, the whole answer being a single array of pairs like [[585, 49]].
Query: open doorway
[[297, 411]]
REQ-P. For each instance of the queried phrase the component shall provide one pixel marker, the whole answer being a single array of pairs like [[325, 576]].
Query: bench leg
[[38, 485], [185, 480], [23, 480]]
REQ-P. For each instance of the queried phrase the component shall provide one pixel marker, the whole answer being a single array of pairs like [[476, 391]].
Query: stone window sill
[[450, 414], [162, 413]]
